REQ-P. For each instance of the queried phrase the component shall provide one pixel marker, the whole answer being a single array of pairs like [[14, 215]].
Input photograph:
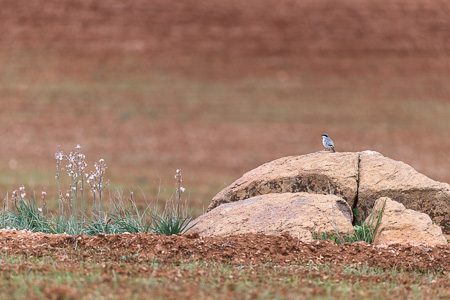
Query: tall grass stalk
[[59, 157]]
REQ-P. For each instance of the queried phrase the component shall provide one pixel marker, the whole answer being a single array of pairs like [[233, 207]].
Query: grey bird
[[327, 142]]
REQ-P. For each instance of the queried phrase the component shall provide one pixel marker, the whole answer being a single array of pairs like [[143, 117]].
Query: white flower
[[59, 156], [182, 189], [44, 193], [78, 147], [40, 209], [178, 171], [101, 160], [67, 195], [23, 195]]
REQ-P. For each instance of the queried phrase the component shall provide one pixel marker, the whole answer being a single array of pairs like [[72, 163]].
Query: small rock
[[404, 226]]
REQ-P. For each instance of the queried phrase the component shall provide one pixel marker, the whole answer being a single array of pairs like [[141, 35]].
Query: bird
[[327, 142]]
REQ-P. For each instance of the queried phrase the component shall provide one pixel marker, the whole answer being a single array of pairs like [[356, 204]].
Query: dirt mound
[[241, 249]]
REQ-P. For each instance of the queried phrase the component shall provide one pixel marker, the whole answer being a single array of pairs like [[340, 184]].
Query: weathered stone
[[359, 178], [305, 173], [399, 225], [300, 214], [380, 176]]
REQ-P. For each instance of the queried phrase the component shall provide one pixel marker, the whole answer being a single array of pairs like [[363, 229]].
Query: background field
[[217, 88]]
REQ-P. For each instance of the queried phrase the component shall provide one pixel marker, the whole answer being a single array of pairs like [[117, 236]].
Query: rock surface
[[404, 226], [305, 173], [300, 214], [358, 177], [380, 176]]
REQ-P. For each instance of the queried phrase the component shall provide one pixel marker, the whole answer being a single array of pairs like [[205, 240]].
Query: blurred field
[[217, 88]]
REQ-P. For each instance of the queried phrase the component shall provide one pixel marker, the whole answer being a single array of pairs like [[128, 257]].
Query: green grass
[[169, 223], [124, 218], [74, 216], [47, 277], [364, 231]]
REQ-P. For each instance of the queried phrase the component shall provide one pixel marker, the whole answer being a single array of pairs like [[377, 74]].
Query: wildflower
[[59, 156], [22, 192], [78, 147], [178, 175], [40, 209], [182, 189]]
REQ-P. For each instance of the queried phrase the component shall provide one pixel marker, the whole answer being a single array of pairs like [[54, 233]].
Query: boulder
[[299, 214], [358, 177], [306, 173], [399, 225], [380, 176]]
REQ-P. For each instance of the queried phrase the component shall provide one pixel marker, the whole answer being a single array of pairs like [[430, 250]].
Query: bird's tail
[[332, 148]]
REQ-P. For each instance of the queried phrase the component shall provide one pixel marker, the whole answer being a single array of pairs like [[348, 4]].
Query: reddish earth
[[240, 249]]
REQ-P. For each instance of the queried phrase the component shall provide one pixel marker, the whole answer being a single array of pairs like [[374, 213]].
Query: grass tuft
[[169, 223], [364, 231], [72, 218]]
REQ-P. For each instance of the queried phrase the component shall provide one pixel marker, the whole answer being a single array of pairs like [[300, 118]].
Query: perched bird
[[327, 142]]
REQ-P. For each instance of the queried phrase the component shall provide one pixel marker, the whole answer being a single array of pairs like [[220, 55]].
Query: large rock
[[380, 176], [360, 178], [300, 214], [305, 173], [399, 225]]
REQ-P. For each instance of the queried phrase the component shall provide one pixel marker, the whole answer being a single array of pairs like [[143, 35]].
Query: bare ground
[[239, 249]]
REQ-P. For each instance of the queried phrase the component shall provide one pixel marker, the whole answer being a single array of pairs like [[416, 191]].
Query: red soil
[[240, 249]]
